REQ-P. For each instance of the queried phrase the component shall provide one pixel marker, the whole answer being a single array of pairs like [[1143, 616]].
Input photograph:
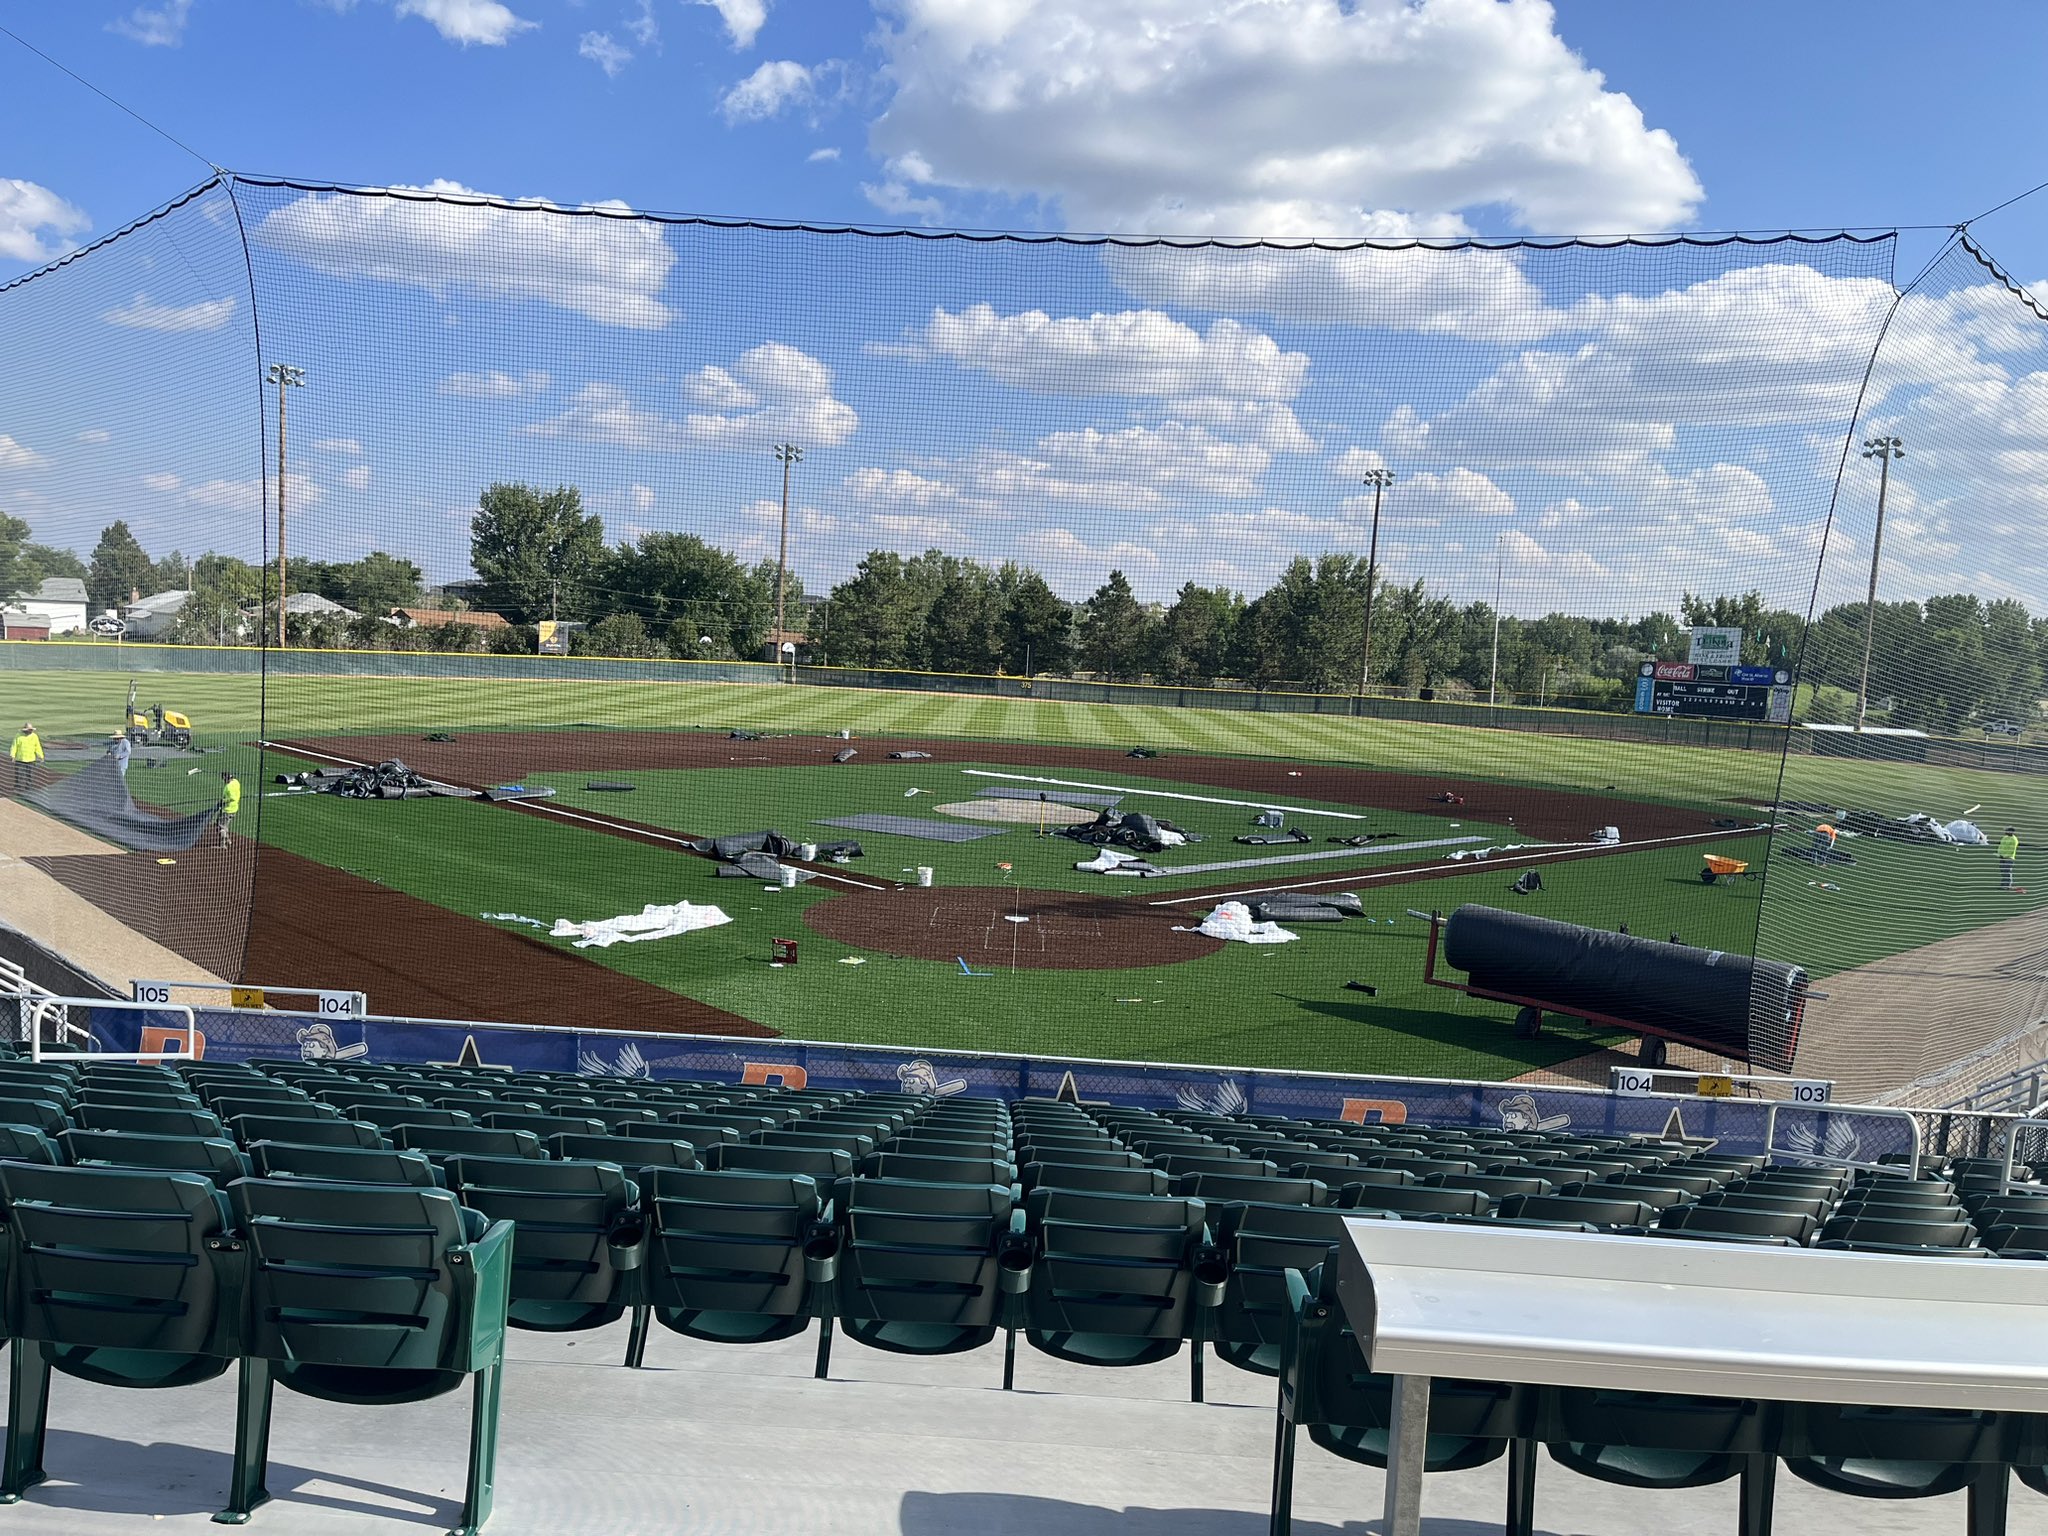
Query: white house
[[153, 615], [59, 601]]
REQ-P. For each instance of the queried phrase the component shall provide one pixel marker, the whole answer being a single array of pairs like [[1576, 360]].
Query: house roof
[[159, 602], [313, 602], [482, 618], [59, 589]]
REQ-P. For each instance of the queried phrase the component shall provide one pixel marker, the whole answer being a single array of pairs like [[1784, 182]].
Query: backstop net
[[1046, 645]]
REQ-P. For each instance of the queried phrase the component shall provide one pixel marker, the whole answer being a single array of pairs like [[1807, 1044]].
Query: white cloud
[[894, 194], [610, 270], [821, 156], [253, 496], [607, 55], [1278, 117], [643, 497], [35, 223], [141, 315], [1353, 463], [777, 84], [356, 477], [95, 435], [15, 455], [899, 487], [162, 482], [345, 447], [742, 18], [1170, 457], [159, 26], [1433, 499], [643, 27], [468, 21], [772, 393], [495, 385], [1136, 352]]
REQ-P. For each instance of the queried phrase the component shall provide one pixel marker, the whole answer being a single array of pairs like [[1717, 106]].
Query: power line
[[155, 128]]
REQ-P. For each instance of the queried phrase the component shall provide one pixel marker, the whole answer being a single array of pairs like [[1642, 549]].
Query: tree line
[[539, 555]]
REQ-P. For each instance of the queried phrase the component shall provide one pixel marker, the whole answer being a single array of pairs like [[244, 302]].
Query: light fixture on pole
[[283, 375], [786, 454], [1379, 480], [1884, 450]]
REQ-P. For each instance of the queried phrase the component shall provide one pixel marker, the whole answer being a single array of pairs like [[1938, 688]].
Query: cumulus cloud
[[609, 56], [252, 497], [95, 435], [775, 85], [468, 21], [141, 315], [611, 270], [772, 393], [35, 223], [356, 477], [15, 455], [155, 26], [162, 482], [1276, 117], [822, 156], [495, 385], [342, 447], [742, 18]]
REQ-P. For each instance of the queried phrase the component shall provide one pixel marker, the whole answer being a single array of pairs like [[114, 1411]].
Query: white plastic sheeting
[[1233, 920], [652, 921]]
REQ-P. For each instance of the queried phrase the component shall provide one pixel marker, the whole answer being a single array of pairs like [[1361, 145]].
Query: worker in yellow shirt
[[26, 750], [2008, 856], [230, 803]]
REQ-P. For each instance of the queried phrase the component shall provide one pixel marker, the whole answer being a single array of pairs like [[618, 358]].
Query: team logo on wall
[[920, 1076], [1518, 1112], [1226, 1098], [1833, 1137], [628, 1063], [317, 1043]]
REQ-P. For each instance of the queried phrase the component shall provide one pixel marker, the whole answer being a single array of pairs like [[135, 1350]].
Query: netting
[[1087, 587]]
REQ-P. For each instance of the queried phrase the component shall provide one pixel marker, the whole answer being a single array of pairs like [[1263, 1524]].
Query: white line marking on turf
[[1165, 794], [1329, 853], [556, 810], [1463, 868]]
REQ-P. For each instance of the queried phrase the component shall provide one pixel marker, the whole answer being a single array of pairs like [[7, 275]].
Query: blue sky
[[1152, 419]]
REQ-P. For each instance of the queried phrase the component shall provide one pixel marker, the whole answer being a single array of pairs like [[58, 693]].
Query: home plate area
[[1061, 932]]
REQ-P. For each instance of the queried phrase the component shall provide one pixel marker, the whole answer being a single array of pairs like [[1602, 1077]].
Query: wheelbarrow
[[1720, 867]]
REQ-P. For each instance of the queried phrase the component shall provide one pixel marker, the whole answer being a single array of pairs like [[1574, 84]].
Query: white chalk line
[[1164, 794], [615, 827], [1321, 853]]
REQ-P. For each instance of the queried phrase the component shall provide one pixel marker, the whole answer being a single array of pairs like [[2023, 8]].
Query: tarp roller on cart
[[1734, 1005]]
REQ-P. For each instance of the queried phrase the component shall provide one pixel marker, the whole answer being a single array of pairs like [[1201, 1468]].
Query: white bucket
[[787, 876], [807, 851], [845, 735], [924, 874]]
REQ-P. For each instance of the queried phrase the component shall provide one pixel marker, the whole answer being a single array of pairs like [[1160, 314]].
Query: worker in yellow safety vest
[[2008, 856], [230, 803], [26, 750]]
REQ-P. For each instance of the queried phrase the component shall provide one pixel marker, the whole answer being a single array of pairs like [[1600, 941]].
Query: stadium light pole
[[284, 376], [1379, 480], [786, 454], [1884, 450]]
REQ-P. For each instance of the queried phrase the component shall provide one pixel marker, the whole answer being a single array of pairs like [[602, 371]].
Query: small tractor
[[159, 727]]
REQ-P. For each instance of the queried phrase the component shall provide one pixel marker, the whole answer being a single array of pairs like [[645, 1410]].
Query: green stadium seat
[[1262, 1243], [1093, 1155], [1653, 1440], [151, 1122], [343, 1165], [369, 1294], [311, 1131], [1903, 1453], [631, 1153], [215, 1156], [387, 1117], [1732, 1221], [855, 1144], [44, 1115], [117, 1276], [893, 1164], [443, 1141], [545, 1125], [825, 1164], [1267, 1188], [1895, 1235], [228, 1106], [1124, 1180], [1418, 1200], [1605, 1212], [169, 1096], [1495, 1186], [27, 1144]]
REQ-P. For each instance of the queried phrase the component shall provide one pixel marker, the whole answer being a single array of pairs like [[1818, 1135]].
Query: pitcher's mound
[[1025, 812]]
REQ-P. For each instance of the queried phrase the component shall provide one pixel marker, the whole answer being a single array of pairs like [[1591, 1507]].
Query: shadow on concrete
[[1015, 1514]]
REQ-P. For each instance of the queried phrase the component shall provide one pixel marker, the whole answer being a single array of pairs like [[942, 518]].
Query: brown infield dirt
[[1065, 931], [312, 926]]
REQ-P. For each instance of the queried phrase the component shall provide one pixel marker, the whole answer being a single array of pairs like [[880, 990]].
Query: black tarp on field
[[1733, 1004], [95, 799]]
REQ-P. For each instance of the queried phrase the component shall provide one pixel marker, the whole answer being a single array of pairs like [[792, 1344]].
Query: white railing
[[37, 1009]]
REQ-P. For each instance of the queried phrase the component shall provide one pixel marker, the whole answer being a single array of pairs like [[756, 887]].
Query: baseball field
[[439, 907]]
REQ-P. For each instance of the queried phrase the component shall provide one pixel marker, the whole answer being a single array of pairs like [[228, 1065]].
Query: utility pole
[[1493, 677], [1884, 450], [283, 375], [786, 454], [1379, 480]]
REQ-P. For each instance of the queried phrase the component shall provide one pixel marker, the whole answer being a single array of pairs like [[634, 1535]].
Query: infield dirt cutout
[[1029, 813]]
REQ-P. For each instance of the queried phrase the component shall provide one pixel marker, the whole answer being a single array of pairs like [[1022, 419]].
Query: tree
[[169, 574], [1037, 625], [537, 552], [1115, 632], [212, 615], [119, 568], [375, 584], [875, 613], [619, 634], [677, 583], [1197, 633], [40, 562], [14, 575], [963, 628]]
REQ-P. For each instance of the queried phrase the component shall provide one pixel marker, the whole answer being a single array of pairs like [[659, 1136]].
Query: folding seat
[[825, 1164], [387, 1117], [343, 1165], [631, 1153], [228, 1106], [1632, 1186], [577, 1232], [699, 1136], [37, 1114], [1119, 1180], [1657, 1440], [856, 1144], [615, 1115], [369, 1294], [1340, 1178], [1213, 1189], [118, 1276], [1672, 1177], [1735, 1164], [344, 1096], [944, 1143], [1154, 1147], [27, 1144], [688, 1121], [1903, 1453], [1495, 1186], [1734, 1221], [735, 1257], [1939, 1205], [1121, 1279], [248, 1091], [1326, 1389], [214, 1156], [1895, 1236], [927, 1269], [920, 1168], [1075, 1149], [444, 1141], [311, 1131], [1417, 1200], [1175, 1164], [1810, 1205], [1262, 1145], [563, 1103], [877, 1128], [2013, 1238], [1423, 1167], [1260, 1243], [169, 1097], [1603, 1212], [153, 1122], [545, 1126], [477, 1105]]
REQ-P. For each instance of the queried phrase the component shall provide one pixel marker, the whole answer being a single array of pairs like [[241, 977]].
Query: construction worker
[[230, 803], [26, 750], [120, 751], [2008, 856]]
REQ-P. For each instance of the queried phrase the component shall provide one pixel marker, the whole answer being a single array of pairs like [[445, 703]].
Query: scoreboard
[[1703, 690]]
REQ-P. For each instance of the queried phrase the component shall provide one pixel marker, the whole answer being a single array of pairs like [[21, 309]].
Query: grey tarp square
[[1056, 796], [96, 799], [914, 826]]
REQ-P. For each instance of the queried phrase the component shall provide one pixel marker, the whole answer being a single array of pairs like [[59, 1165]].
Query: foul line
[[1321, 853], [1580, 850], [617, 828], [1164, 794]]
